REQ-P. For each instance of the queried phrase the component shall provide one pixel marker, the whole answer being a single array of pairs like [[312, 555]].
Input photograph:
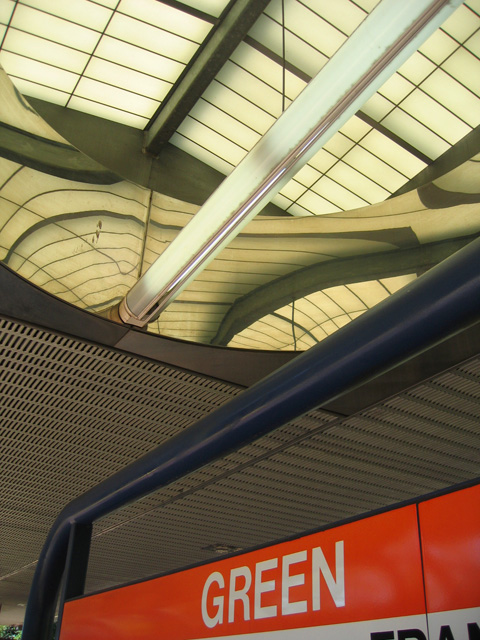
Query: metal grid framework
[[73, 413], [119, 59]]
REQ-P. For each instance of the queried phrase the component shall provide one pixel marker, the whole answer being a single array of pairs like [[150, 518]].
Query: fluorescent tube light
[[381, 44]]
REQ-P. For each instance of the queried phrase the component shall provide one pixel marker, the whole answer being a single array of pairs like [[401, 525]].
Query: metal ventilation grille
[[72, 413], [422, 440]]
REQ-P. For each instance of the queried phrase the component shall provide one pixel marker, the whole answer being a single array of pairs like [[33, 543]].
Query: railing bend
[[438, 304]]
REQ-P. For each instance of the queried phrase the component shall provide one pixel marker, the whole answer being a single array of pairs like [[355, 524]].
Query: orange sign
[[367, 570]]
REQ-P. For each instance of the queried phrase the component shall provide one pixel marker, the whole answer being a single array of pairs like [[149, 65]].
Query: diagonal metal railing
[[440, 303]]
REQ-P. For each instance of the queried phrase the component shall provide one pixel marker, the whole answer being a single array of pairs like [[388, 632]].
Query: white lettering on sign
[[288, 582], [217, 601], [239, 595]]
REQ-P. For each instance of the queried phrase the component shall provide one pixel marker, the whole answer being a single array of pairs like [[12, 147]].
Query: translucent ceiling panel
[[128, 79], [210, 7], [6, 10], [38, 91], [28, 69], [114, 96], [53, 28], [139, 59], [151, 38], [51, 53], [168, 18], [107, 112], [82, 12], [299, 53]]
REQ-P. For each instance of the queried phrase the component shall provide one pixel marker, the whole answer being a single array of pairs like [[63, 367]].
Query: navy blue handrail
[[438, 304]]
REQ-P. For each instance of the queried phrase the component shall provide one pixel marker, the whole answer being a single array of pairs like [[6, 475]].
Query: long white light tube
[[383, 41]]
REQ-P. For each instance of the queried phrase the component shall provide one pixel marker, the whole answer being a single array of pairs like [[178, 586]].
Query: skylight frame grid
[[108, 107], [435, 139]]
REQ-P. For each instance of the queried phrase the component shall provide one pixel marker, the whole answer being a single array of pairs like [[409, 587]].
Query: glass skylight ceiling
[[429, 105], [119, 58], [112, 58]]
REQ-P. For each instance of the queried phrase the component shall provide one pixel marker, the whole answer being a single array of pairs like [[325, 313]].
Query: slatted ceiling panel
[[65, 402], [350, 467]]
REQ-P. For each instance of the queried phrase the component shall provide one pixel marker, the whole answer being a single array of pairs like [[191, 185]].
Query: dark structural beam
[[300, 283], [223, 39]]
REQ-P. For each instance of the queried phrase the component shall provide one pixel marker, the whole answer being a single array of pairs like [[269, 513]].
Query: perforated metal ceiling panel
[[72, 413]]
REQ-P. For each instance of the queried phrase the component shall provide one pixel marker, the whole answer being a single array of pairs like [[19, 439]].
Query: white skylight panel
[[368, 5], [139, 59], [56, 29], [338, 194], [307, 175], [436, 117], [308, 26], [371, 166], [358, 183], [83, 12], [417, 68], [293, 190], [38, 91], [6, 9], [392, 153], [461, 24], [377, 107], [414, 132], [370, 292], [51, 53], [270, 72], [284, 203], [473, 44], [251, 88], [458, 99], [474, 5], [224, 124], [301, 54], [322, 161], [342, 14], [196, 150], [108, 112], [127, 79], [355, 128], [151, 38], [438, 47], [210, 7], [115, 97], [396, 88], [315, 204], [238, 107], [338, 145], [168, 18], [107, 3], [211, 140], [325, 304], [465, 67], [397, 282], [34, 71]]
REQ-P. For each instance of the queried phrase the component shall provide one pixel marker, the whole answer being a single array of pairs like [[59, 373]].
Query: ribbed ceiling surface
[[72, 413]]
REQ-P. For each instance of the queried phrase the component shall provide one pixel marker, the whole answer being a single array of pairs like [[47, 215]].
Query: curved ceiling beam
[[282, 291]]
